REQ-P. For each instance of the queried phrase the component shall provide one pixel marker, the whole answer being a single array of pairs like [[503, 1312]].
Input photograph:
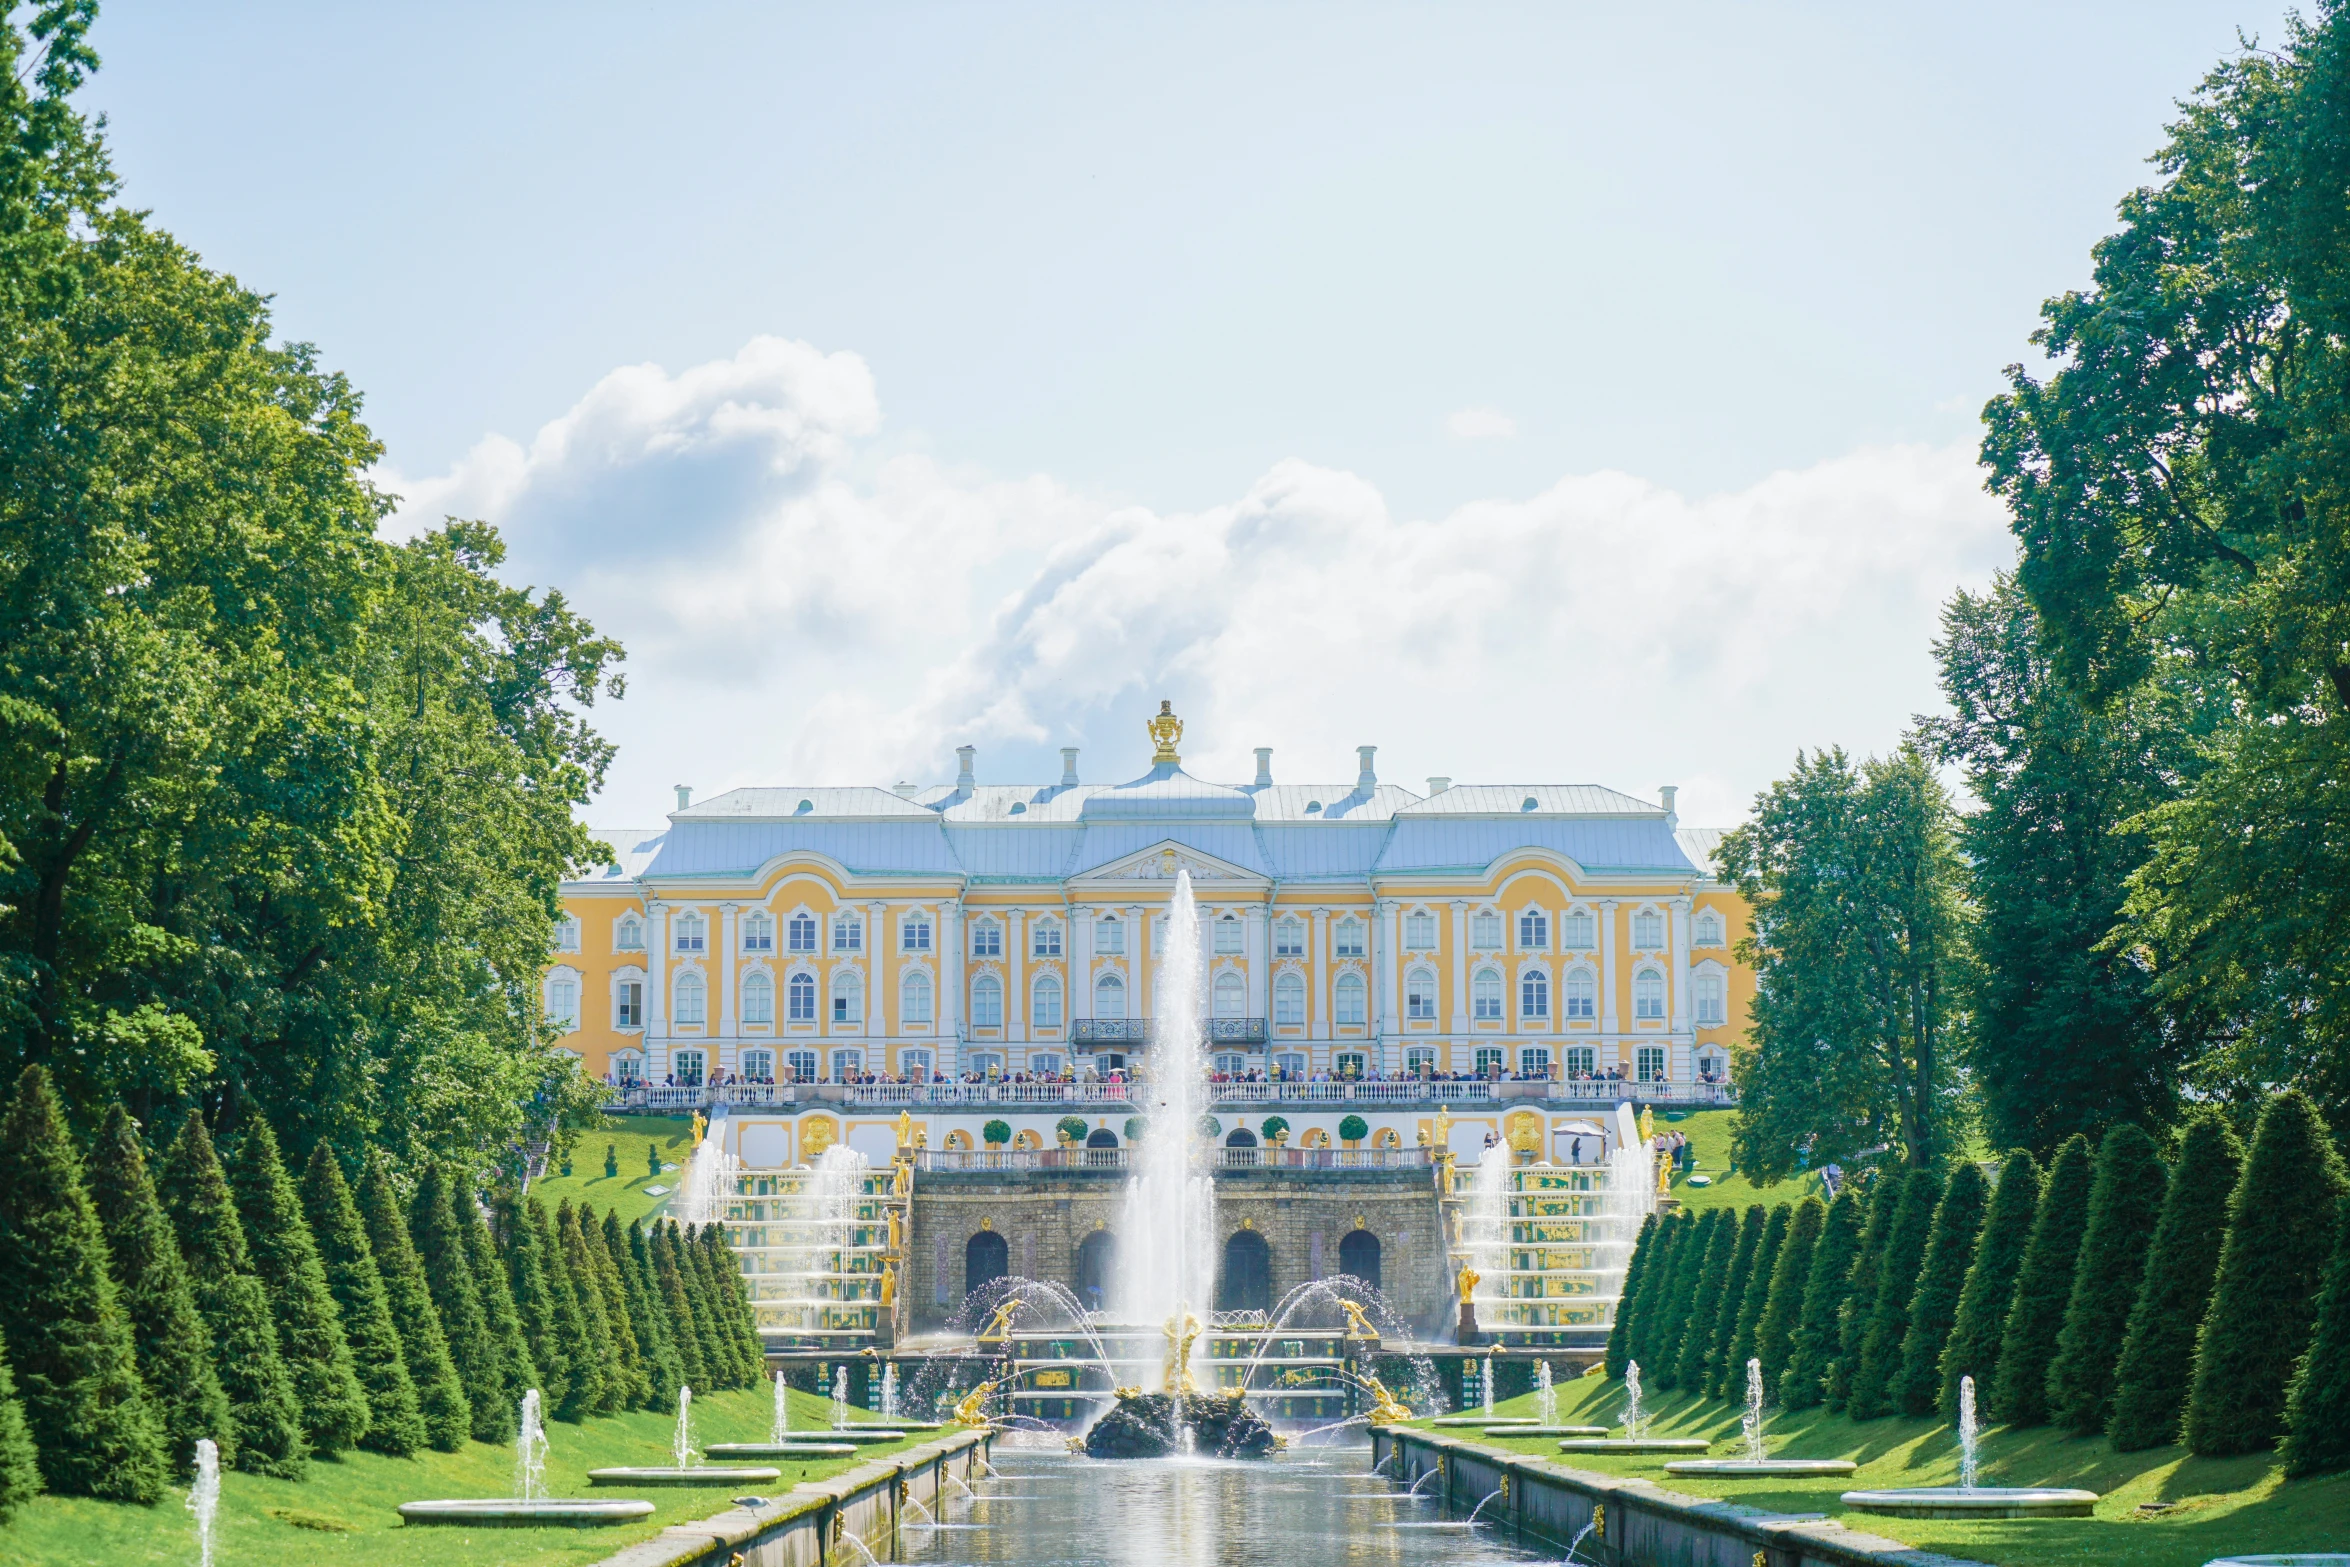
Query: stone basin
[[572, 1512], [729, 1451], [1736, 1468], [1982, 1501], [1477, 1420], [1635, 1444], [2303, 1559], [860, 1434], [1548, 1430], [698, 1474]]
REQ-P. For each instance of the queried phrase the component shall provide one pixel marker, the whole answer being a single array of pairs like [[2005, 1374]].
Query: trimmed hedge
[[2043, 1288], [1681, 1293], [2158, 1351], [1804, 1384], [1783, 1311], [1897, 1280], [395, 1424], [2125, 1205], [2317, 1409], [1981, 1322], [1860, 1301], [1730, 1380], [1619, 1333], [285, 1257], [1718, 1302], [1933, 1305]]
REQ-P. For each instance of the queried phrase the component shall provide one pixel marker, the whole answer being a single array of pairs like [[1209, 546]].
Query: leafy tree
[[265, 1414], [1933, 1305], [285, 1256], [597, 1336], [1681, 1295], [996, 1133], [2043, 1288], [1826, 1288], [1887, 1327], [395, 1424], [1745, 1336], [1722, 1328], [1619, 1333], [1860, 1302], [1980, 1326], [1353, 1129], [475, 1349], [1783, 1307], [68, 1341], [677, 1304], [2280, 1234], [2317, 1408], [173, 1344], [648, 1308], [2158, 1350], [1071, 1127], [20, 1463], [424, 1348], [1859, 954], [2125, 1204]]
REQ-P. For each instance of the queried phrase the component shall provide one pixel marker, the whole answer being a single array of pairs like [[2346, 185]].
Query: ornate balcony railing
[[701, 1096], [1141, 1030], [989, 1094]]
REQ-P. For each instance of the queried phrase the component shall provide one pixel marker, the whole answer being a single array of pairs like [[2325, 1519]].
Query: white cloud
[[1480, 424], [798, 609]]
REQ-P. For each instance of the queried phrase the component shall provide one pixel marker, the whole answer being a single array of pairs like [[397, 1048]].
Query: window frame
[[1486, 995], [1047, 939], [1534, 996], [1534, 929], [690, 983], [915, 932], [848, 986], [1422, 997], [1349, 987], [758, 990], [1289, 999], [758, 931], [1037, 1004], [987, 1001], [801, 984], [911, 983]]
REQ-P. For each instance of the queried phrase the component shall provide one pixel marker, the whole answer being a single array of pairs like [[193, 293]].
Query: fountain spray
[[889, 1391], [1752, 1424], [1485, 1384], [780, 1431], [1166, 1272], [1966, 1432], [1546, 1398], [204, 1500], [1633, 1418], [681, 1446], [530, 1451], [840, 1397]]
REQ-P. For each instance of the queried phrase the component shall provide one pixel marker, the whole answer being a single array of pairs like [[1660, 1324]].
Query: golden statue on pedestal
[[889, 1284], [1469, 1279], [1443, 1127], [700, 1127], [972, 1411], [1000, 1325], [902, 1183], [1386, 1408], [905, 1129], [1164, 730], [1357, 1325], [894, 1232], [1182, 1332]]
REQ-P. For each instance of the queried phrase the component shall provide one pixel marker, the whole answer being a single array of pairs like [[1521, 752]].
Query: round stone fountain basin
[[866, 1434], [1548, 1430], [698, 1474], [730, 1451], [2304, 1559], [1477, 1420], [574, 1512], [1634, 1444], [1982, 1501], [1750, 1468]]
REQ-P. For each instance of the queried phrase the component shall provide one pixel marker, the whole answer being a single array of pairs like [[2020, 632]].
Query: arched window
[[914, 934], [1046, 1011], [1419, 931], [629, 934], [1045, 1063], [1709, 928], [1351, 999], [758, 998], [848, 933], [1346, 938], [759, 1065], [686, 1066], [1097, 1254], [1231, 995], [1534, 1060], [1245, 1282], [1534, 931], [985, 1259], [802, 933], [1648, 994], [1707, 992], [847, 1063], [1109, 935], [1648, 931], [1358, 1256], [914, 999], [1578, 932], [693, 932], [1289, 938], [1228, 934], [915, 1065], [1048, 938], [803, 998], [1240, 1137], [758, 932], [987, 1002], [1289, 1000], [1582, 994], [1419, 995], [848, 997], [987, 939], [693, 999], [1485, 996], [563, 1001], [1485, 930], [628, 1066], [628, 1000], [567, 934], [1109, 997], [1534, 995]]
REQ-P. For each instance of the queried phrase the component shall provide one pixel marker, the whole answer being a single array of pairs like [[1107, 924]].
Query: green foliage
[[2317, 1408], [1887, 1327], [1774, 1339], [652, 1159], [548, 1339], [264, 1412], [1135, 1127], [1682, 1294], [733, 1295], [1860, 1302], [502, 1320], [424, 1347], [633, 1384], [68, 1340], [677, 1304], [1353, 1129], [1649, 1310], [1812, 1352], [1619, 1333], [2158, 1351], [597, 1339], [1722, 1326], [1275, 1128], [720, 1358], [1859, 954], [2043, 1288], [173, 1344], [20, 1463], [1746, 1332], [474, 1349], [611, 1159], [655, 1325], [1980, 1326], [2281, 1220], [2125, 1205], [285, 1258], [1933, 1305], [395, 1424], [996, 1133], [567, 1324], [1072, 1128]]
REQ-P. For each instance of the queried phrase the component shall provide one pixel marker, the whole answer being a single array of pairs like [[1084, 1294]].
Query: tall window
[[914, 999], [1709, 928], [1109, 935], [759, 1065], [1046, 1063], [1289, 1000], [1651, 1064], [1534, 1060], [693, 999], [1109, 997], [1346, 938], [1648, 931], [803, 933], [1350, 1064], [1229, 1062], [1582, 994], [1485, 930], [1648, 994], [563, 1002], [1420, 1060], [914, 934], [1228, 935], [1579, 1058], [914, 1065], [1352, 999], [629, 934], [693, 932], [848, 933], [687, 1066], [1485, 996], [1289, 938], [567, 934], [1419, 996], [1579, 932], [1707, 992], [847, 1064], [801, 1064], [1231, 995], [758, 932], [1046, 1012], [1534, 996], [1491, 1060], [758, 999], [1419, 931], [803, 998], [848, 998], [987, 1002], [628, 1004], [987, 939], [1534, 931], [1291, 1064], [628, 1067], [1048, 938]]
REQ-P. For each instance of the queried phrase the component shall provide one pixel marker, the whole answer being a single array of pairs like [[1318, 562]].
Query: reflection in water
[[1052, 1509]]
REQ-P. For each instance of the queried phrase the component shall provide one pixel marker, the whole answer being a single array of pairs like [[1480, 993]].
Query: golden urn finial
[[1165, 730]]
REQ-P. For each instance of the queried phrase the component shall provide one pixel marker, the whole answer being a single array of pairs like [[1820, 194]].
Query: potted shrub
[[1353, 1130], [1210, 1127], [1072, 1130], [1135, 1127], [996, 1133], [1276, 1130], [611, 1159]]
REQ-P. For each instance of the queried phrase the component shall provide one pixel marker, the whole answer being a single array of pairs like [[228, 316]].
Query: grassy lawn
[[628, 1135], [344, 1513], [1708, 1132], [2216, 1506]]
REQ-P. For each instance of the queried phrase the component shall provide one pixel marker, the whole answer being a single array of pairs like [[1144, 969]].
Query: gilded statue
[[700, 1127], [1001, 1324], [1468, 1281], [1443, 1126], [895, 1233], [1182, 1332], [1357, 1325], [905, 1129], [972, 1411], [889, 1284], [902, 1184], [1386, 1408], [1164, 730]]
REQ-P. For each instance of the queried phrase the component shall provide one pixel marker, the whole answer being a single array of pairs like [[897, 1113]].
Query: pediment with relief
[[1164, 862]]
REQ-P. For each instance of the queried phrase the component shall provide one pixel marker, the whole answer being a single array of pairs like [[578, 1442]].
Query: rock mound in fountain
[[1149, 1425]]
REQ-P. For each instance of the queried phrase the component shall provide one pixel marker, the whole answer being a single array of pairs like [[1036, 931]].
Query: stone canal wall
[[808, 1526], [1639, 1523]]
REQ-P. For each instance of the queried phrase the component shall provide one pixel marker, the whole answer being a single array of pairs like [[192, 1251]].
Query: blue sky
[[1553, 392]]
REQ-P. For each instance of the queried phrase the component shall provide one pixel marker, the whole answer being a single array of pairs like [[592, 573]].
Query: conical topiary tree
[[1933, 1305], [1619, 1333], [173, 1343], [424, 1349], [395, 1424], [678, 1304], [1681, 1367], [263, 1410], [1730, 1378], [1724, 1327], [2043, 1287], [595, 1327], [2281, 1220], [69, 1343], [1648, 1323], [285, 1256], [734, 1300], [632, 1386], [492, 1285], [668, 1367], [1981, 1323], [2158, 1350], [1897, 1282], [657, 1355], [588, 1381], [20, 1462], [1681, 1296], [718, 1357], [2125, 1203], [550, 1320], [2317, 1406], [1804, 1384], [1860, 1305], [1774, 1339], [474, 1350]]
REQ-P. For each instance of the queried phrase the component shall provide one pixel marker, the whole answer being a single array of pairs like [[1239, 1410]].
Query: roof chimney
[[1437, 786], [963, 755], [1264, 767], [1068, 766], [907, 788], [1672, 817], [1365, 777], [685, 795]]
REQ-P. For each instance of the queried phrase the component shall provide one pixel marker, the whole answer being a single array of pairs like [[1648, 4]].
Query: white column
[[1142, 998], [950, 970], [1079, 947], [1256, 942], [1680, 907], [724, 961], [876, 926], [1607, 967], [1386, 948], [656, 972], [1460, 967], [1015, 957], [1322, 973]]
